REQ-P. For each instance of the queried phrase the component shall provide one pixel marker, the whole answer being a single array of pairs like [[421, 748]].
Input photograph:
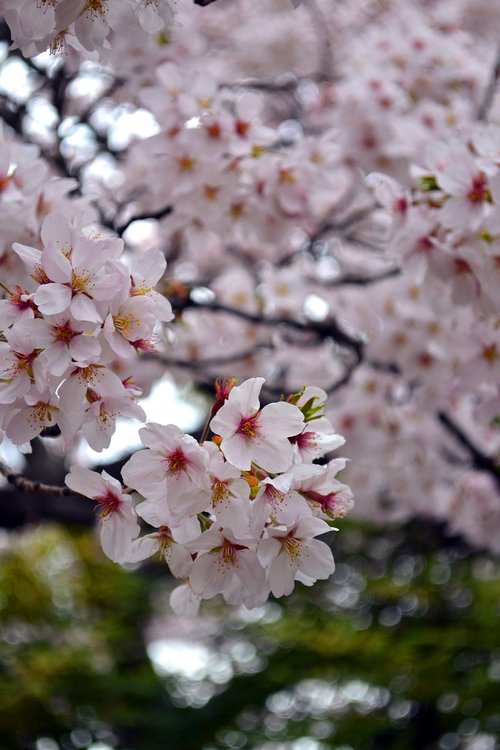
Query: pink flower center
[[42, 411], [127, 324], [461, 266], [400, 205], [424, 245], [24, 362], [95, 7], [479, 190], [228, 551], [145, 345], [39, 275], [186, 163], [4, 182], [177, 463], [241, 127], [164, 538], [249, 427], [220, 492], [328, 502], [274, 495], [79, 283], [19, 303], [108, 504], [490, 354], [63, 332], [292, 547], [304, 440]]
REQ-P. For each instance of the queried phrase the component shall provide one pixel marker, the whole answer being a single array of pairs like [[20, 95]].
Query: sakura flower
[[229, 498], [317, 438], [70, 270], [157, 514], [154, 15], [277, 501], [390, 195], [94, 376], [92, 19], [65, 340], [184, 601], [20, 365], [39, 410], [129, 322], [292, 552], [17, 306], [31, 23], [175, 555], [115, 511], [99, 420], [250, 434], [146, 271], [223, 561], [468, 187], [171, 470], [327, 497]]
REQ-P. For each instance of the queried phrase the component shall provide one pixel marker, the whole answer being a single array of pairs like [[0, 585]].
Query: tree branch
[[32, 486], [489, 93], [160, 214], [479, 459], [327, 329]]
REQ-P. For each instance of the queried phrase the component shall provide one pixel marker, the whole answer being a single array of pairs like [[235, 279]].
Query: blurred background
[[400, 649]]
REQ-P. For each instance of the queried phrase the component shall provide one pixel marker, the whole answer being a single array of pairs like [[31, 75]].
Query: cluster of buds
[[237, 515]]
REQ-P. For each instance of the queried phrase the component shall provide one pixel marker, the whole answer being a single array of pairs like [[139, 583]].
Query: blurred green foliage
[[399, 650]]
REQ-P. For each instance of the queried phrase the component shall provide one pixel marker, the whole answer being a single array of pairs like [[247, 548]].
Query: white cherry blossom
[[115, 510], [250, 434]]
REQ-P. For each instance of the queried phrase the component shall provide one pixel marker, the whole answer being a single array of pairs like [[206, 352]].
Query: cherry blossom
[[118, 519], [327, 219], [250, 434], [292, 553]]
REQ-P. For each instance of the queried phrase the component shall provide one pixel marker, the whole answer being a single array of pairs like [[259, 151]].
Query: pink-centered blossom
[[254, 435], [292, 553], [171, 470], [114, 509]]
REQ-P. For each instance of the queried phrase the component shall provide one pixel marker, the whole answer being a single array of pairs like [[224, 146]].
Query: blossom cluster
[[77, 308], [80, 24], [217, 161], [447, 225], [446, 233], [283, 259], [238, 515]]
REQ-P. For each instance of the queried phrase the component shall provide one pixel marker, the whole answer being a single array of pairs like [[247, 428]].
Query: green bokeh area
[[399, 650]]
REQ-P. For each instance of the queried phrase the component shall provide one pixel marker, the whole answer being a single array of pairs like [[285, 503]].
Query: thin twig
[[325, 56], [355, 280], [489, 93], [479, 460], [160, 214], [32, 486], [324, 329], [201, 364]]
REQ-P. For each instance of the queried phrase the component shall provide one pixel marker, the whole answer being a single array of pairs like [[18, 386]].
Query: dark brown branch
[[330, 227], [480, 460], [32, 486], [324, 329], [325, 56], [355, 280], [160, 214], [489, 93], [202, 364]]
